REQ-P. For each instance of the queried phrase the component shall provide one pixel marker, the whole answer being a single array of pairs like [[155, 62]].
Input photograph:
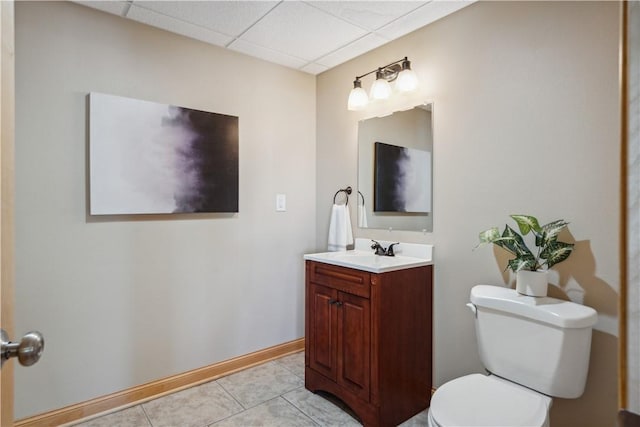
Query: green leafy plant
[[549, 251]]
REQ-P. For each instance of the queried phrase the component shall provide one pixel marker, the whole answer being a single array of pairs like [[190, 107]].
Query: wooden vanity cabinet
[[368, 339]]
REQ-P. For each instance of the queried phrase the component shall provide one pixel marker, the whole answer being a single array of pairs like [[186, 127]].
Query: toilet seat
[[481, 400]]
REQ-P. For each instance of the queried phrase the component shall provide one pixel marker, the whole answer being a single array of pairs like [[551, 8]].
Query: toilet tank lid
[[564, 314]]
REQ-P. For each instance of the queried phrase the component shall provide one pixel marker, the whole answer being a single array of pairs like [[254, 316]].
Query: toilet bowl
[[487, 400], [534, 348]]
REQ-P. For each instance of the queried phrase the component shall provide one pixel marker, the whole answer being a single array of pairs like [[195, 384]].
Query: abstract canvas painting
[[402, 179], [148, 158]]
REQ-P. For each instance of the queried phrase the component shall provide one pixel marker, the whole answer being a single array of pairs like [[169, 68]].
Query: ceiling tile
[[307, 35], [227, 17], [420, 17], [302, 31], [168, 23], [368, 14], [352, 50], [115, 7], [313, 68], [266, 54]]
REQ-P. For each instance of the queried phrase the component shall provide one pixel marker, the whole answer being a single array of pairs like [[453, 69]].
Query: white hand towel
[[362, 216], [340, 233]]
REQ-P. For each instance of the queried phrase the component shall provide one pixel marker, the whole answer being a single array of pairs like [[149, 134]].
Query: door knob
[[28, 350]]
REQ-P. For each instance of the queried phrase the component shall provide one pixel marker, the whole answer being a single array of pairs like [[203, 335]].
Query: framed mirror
[[395, 164]]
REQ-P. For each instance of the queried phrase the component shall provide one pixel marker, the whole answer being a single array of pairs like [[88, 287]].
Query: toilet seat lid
[[480, 400]]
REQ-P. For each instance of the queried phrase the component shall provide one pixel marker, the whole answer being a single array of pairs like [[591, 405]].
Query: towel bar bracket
[[347, 191]]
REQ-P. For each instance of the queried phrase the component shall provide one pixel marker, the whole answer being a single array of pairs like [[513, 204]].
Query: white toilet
[[534, 348]]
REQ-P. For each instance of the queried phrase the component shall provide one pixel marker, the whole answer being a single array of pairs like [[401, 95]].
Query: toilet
[[533, 348]]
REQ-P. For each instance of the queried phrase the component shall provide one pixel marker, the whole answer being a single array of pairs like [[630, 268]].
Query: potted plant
[[530, 268]]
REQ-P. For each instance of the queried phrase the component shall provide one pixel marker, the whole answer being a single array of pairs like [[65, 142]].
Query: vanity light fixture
[[407, 79], [399, 71], [381, 89], [358, 98]]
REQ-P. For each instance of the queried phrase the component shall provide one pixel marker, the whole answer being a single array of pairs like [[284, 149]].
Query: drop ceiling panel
[[115, 7], [302, 31], [227, 17], [430, 12], [357, 48], [177, 26], [266, 54], [313, 68], [310, 36], [368, 14]]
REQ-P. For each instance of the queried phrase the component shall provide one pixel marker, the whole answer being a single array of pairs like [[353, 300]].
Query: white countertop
[[408, 255]]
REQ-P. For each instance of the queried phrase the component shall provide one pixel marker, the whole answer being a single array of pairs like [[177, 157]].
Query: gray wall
[[526, 120], [126, 300]]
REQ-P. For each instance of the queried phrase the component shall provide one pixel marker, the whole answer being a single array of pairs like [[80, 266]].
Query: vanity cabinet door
[[354, 344], [339, 337], [368, 339], [323, 337]]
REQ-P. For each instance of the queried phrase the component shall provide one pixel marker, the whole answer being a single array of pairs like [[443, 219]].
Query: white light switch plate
[[281, 202]]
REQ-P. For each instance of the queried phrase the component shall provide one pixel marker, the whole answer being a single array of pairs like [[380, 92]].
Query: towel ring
[[362, 196], [347, 191]]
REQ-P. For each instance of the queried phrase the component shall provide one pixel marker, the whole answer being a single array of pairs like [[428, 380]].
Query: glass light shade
[[380, 89], [358, 99], [406, 81]]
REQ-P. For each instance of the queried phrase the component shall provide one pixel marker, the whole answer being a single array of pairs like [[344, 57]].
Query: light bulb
[[407, 79], [380, 89], [358, 98]]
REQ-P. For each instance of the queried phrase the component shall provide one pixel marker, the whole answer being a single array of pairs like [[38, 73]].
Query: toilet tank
[[539, 342]]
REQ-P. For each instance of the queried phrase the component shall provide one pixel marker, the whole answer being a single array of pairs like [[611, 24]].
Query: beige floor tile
[[194, 407], [131, 417], [275, 412], [274, 394], [294, 363], [419, 420], [321, 410], [260, 383]]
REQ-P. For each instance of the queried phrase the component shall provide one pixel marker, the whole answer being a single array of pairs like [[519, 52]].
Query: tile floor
[[271, 394]]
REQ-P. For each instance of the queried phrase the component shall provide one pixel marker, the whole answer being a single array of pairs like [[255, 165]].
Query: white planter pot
[[532, 283]]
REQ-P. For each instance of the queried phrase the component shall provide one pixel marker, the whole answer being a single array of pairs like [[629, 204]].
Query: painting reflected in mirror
[[395, 170]]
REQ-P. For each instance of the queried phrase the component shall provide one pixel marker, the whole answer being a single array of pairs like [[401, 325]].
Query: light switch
[[281, 202]]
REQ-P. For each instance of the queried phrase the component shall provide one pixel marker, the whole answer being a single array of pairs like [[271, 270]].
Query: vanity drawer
[[344, 279]]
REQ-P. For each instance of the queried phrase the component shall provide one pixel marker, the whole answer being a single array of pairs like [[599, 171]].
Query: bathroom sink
[[409, 255]]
